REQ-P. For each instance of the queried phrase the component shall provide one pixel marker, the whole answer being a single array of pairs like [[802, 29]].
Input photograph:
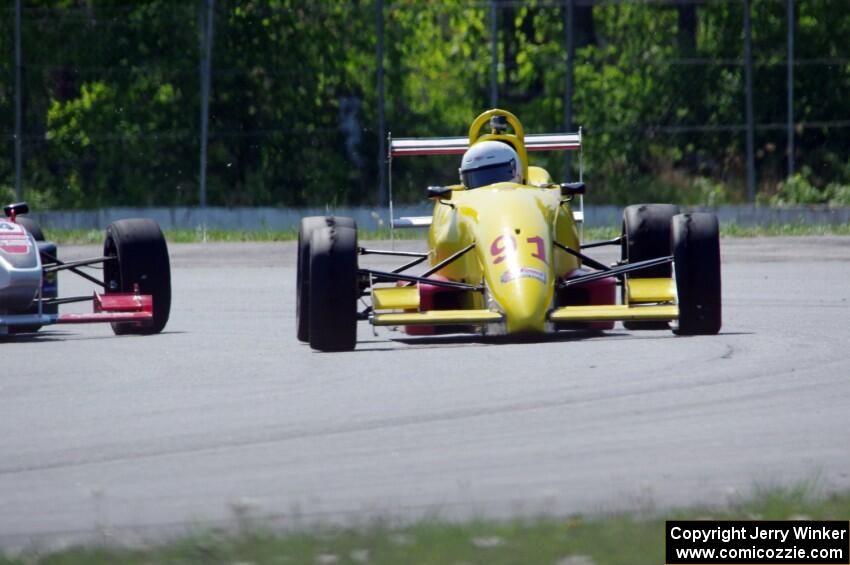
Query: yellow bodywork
[[650, 290], [512, 226], [396, 298], [539, 177]]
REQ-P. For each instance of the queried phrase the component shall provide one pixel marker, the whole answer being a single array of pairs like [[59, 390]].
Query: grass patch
[[774, 230], [623, 539], [70, 237]]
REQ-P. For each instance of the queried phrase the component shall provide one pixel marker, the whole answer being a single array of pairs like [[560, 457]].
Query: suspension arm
[[584, 258], [615, 271]]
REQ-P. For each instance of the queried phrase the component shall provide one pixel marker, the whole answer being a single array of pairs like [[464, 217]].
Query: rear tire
[[31, 226], [141, 258], [333, 289], [646, 235], [696, 252], [302, 283]]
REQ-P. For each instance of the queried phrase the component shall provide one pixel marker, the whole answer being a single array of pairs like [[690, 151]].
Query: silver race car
[[133, 294]]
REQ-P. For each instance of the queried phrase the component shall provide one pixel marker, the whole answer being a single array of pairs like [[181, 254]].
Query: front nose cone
[[514, 250], [525, 302]]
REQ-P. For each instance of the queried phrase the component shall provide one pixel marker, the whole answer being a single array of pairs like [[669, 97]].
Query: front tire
[[696, 256], [302, 284], [141, 258], [646, 235], [333, 289]]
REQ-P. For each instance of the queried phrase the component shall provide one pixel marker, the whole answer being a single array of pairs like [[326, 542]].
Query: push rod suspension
[[448, 260], [382, 276], [73, 269], [420, 257], [615, 241], [364, 251], [584, 258], [407, 266], [68, 300], [62, 266], [614, 271]]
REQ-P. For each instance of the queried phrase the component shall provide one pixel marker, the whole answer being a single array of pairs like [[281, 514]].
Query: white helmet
[[488, 162]]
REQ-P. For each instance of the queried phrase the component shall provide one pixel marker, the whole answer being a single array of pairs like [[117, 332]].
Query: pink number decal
[[541, 247], [497, 248]]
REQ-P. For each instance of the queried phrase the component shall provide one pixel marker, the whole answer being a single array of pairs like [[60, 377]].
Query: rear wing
[[458, 145], [409, 146]]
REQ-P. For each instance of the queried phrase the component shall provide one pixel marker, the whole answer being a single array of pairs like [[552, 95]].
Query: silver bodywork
[[20, 268]]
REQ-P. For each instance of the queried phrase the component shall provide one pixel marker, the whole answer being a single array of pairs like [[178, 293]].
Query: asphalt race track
[[226, 417]]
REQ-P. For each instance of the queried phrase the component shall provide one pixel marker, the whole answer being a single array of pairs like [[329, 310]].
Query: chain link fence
[[112, 113]]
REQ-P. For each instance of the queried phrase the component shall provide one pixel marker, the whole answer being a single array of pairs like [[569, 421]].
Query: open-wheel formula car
[[135, 294], [506, 256]]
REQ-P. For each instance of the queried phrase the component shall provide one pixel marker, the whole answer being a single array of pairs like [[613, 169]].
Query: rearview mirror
[[443, 192], [572, 188], [18, 208]]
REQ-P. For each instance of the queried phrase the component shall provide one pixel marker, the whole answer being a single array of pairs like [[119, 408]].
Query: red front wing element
[[114, 307]]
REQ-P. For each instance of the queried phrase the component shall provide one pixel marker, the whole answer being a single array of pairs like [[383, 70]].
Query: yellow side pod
[[396, 298], [650, 290]]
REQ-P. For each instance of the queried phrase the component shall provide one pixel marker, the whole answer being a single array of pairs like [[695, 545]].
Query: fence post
[[748, 78], [748, 95], [568, 90], [790, 88], [494, 55], [18, 110], [382, 141], [206, 63]]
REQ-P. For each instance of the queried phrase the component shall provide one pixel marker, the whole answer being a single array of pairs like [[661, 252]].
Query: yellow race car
[[506, 256]]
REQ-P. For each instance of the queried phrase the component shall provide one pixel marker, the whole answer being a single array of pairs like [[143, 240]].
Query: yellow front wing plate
[[567, 314], [614, 312], [437, 317]]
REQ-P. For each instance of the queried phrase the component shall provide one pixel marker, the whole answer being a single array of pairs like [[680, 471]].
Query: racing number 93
[[502, 244]]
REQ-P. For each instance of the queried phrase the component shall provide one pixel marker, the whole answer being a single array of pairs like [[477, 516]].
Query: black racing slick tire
[[696, 262], [141, 258], [646, 235], [31, 226], [646, 231], [333, 289], [302, 284]]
